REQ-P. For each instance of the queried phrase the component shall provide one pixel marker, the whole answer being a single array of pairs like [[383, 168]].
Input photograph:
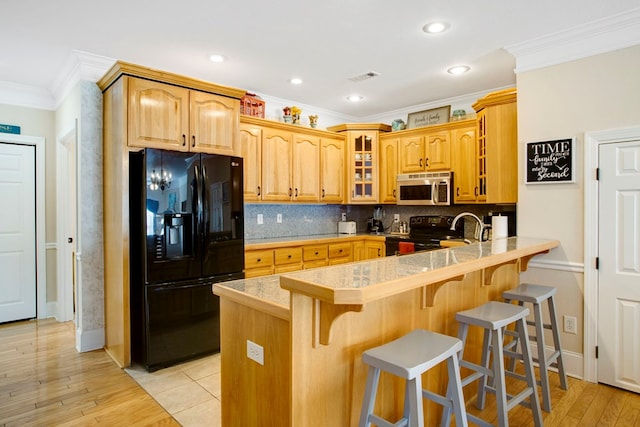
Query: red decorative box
[[252, 106]]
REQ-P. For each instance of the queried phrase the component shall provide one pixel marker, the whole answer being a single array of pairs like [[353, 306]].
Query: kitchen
[[536, 105]]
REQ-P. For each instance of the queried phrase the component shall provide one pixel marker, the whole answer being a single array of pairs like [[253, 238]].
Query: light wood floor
[[44, 381]]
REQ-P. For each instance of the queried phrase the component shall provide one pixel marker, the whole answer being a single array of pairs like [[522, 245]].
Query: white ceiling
[[267, 42]]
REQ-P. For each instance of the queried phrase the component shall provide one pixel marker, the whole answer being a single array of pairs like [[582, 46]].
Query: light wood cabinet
[[291, 164], [374, 249], [142, 108], [463, 152], [425, 151], [332, 161], [293, 256], [306, 168], [497, 143], [276, 165], [258, 263], [250, 149], [388, 168], [170, 117], [287, 259], [340, 253], [362, 160]]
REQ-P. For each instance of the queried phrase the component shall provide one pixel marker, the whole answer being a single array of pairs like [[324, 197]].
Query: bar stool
[[536, 295], [494, 317], [409, 357]]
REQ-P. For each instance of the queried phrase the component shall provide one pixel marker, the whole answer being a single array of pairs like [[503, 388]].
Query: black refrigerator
[[186, 232]]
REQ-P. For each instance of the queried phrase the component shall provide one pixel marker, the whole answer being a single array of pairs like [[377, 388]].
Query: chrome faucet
[[478, 232]]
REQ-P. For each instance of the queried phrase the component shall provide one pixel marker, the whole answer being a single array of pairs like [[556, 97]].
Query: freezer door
[[182, 322]]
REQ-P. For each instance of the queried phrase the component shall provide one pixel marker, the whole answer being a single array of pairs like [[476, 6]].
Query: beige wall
[[597, 93], [37, 122]]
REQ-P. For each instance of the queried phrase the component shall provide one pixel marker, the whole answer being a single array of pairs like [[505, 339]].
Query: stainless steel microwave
[[429, 188]]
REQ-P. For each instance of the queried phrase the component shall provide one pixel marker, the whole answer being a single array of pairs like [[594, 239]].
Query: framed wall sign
[[550, 162], [434, 116]]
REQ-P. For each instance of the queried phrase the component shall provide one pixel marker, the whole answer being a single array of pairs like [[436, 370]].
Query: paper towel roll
[[499, 227]]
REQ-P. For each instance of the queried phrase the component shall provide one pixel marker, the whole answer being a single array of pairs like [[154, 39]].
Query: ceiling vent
[[364, 76]]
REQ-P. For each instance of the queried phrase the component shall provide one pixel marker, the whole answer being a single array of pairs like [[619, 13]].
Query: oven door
[[403, 246]]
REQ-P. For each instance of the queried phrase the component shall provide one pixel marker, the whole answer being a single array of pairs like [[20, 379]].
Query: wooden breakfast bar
[[313, 326]]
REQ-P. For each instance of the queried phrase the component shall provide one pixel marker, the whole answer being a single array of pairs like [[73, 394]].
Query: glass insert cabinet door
[[363, 166]]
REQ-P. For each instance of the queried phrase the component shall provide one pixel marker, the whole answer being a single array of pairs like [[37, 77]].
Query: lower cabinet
[[283, 259]]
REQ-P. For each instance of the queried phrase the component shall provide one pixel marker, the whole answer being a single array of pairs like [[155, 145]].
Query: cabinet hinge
[[596, 352], [597, 263], [597, 174]]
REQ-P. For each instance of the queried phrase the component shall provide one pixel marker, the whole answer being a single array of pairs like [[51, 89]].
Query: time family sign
[[550, 161]]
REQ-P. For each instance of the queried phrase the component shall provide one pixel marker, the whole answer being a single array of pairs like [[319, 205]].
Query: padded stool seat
[[408, 357], [494, 317], [536, 295]]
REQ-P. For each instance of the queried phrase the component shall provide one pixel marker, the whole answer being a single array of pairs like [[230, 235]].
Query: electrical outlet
[[396, 217], [255, 352], [570, 325], [279, 218], [260, 219], [343, 216]]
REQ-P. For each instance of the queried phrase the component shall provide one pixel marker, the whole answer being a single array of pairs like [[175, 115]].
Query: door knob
[[70, 240]]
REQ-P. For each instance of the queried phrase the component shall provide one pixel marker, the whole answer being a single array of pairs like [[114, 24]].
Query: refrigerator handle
[[197, 208], [204, 201]]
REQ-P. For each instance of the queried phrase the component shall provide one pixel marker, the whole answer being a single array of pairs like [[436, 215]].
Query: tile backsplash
[[306, 219]]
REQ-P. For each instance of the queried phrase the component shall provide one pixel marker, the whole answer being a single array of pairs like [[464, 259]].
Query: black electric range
[[425, 233]]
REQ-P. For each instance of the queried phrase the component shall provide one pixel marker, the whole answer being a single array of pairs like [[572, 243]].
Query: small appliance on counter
[[374, 224], [346, 227]]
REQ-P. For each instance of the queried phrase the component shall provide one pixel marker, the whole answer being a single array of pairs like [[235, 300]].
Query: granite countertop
[[359, 282]]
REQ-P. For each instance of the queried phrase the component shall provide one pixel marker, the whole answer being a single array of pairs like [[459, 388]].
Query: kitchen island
[[312, 326]]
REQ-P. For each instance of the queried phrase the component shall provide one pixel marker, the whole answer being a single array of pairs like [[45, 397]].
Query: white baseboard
[[573, 362], [89, 340], [51, 309]]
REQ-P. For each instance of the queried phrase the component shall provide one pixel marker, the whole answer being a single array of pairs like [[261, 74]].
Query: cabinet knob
[[193, 140], [184, 139], [258, 190], [420, 162], [289, 256], [290, 192], [457, 191], [323, 193], [316, 252], [259, 260], [475, 191], [426, 162], [296, 193], [394, 192]]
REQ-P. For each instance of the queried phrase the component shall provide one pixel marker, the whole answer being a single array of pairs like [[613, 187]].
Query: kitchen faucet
[[476, 235]]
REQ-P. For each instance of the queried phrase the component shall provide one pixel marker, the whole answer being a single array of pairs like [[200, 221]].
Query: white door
[[619, 270], [17, 232]]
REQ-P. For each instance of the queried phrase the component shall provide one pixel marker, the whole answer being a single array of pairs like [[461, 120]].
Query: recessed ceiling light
[[296, 81], [458, 69], [435, 27], [354, 98], [217, 58]]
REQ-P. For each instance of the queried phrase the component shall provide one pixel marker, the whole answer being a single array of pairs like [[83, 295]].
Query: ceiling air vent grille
[[364, 76]]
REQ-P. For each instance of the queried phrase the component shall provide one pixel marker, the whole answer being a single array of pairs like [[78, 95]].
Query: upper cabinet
[[332, 161], [496, 152], [289, 163], [363, 161], [425, 150], [463, 154], [388, 168], [165, 116]]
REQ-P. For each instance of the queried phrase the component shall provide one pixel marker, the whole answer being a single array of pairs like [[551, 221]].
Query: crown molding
[[79, 66], [26, 96], [596, 37]]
